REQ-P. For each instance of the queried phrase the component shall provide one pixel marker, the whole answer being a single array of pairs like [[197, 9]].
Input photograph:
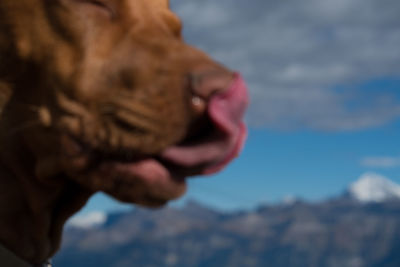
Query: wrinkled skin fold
[[103, 96]]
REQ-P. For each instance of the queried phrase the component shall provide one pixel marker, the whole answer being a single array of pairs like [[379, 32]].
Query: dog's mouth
[[205, 152], [220, 140]]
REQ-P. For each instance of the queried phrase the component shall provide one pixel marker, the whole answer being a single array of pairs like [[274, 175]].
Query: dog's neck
[[32, 213]]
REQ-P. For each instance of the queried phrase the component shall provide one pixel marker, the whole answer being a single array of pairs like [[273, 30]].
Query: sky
[[324, 80]]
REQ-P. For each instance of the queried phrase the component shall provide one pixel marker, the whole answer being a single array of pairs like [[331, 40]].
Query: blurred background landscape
[[317, 183]]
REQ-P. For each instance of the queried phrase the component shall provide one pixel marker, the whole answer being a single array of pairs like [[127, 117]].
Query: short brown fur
[[111, 74]]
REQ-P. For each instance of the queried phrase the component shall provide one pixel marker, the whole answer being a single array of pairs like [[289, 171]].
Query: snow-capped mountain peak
[[373, 187], [90, 220]]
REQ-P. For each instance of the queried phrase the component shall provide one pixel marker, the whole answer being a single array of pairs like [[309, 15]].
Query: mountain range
[[360, 228]]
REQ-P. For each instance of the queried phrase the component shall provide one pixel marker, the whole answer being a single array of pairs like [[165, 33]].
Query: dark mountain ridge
[[339, 232]]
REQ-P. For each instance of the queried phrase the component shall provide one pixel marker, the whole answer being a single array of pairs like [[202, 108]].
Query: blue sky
[[324, 78]]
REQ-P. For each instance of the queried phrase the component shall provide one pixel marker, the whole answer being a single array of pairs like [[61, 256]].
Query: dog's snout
[[205, 84]]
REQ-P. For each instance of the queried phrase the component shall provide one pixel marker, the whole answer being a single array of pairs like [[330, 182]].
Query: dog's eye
[[99, 5], [102, 6]]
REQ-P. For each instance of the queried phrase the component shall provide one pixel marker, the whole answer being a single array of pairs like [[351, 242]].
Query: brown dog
[[105, 96]]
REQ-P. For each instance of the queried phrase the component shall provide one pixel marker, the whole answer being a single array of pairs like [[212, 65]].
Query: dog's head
[[114, 99]]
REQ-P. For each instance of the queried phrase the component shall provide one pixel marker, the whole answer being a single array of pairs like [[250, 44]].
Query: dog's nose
[[205, 84]]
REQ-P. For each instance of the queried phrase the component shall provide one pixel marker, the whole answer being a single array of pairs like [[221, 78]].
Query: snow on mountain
[[372, 187], [289, 200], [90, 220]]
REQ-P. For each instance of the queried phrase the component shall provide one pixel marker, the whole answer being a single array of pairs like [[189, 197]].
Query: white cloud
[[381, 162], [295, 54], [88, 220]]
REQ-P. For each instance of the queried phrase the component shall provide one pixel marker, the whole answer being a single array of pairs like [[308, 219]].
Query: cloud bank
[[381, 162], [307, 62]]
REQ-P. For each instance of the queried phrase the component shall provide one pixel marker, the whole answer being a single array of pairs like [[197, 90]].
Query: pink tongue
[[226, 110]]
